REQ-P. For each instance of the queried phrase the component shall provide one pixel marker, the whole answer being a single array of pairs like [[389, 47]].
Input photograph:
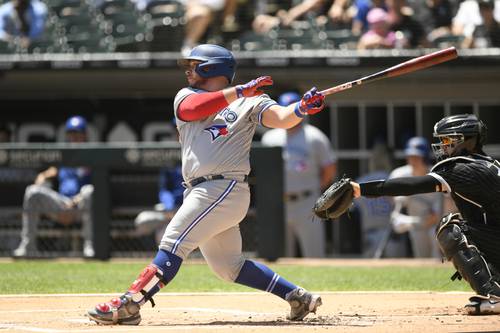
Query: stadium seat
[[78, 23], [108, 7], [86, 42], [298, 39], [6, 47], [57, 6], [166, 18], [448, 41], [130, 33], [165, 8], [46, 44], [251, 41], [340, 39]]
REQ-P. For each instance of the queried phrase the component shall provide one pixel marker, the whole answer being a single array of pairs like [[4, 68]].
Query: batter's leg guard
[[125, 310], [469, 262]]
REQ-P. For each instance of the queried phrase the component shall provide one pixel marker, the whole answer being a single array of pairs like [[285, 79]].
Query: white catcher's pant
[[208, 219]]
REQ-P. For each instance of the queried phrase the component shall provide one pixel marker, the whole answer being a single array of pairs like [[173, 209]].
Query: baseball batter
[[216, 124], [468, 239]]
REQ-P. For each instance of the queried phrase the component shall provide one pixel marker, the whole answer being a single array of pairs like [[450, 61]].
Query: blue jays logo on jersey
[[217, 131]]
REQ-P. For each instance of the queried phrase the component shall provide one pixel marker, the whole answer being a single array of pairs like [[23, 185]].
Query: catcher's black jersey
[[474, 184]]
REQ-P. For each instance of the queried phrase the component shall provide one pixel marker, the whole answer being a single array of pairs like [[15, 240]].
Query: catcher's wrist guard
[[335, 201]]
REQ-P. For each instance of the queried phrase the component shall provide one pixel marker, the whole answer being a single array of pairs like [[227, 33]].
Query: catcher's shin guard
[[466, 257]]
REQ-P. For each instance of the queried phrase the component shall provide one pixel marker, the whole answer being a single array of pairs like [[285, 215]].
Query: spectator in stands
[[401, 19], [487, 34], [199, 15], [71, 202], [436, 17], [362, 7], [264, 23], [23, 20], [417, 214], [341, 13], [478, 21], [379, 36], [469, 17], [170, 195], [309, 166]]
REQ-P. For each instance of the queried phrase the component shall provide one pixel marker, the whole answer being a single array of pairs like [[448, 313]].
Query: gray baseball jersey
[[305, 152], [422, 237], [219, 144], [421, 205]]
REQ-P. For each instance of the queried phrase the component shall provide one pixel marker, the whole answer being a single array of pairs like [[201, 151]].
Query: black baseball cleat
[[118, 311], [483, 305], [302, 303]]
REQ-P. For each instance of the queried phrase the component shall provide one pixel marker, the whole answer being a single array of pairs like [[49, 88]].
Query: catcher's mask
[[458, 135]]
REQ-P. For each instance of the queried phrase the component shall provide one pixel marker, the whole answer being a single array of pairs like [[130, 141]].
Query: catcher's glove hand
[[335, 201]]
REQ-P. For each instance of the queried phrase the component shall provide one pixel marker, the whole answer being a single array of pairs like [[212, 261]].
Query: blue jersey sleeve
[[171, 190], [71, 180]]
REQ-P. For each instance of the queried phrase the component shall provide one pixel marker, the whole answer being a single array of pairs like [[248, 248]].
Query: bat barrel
[[406, 67], [422, 62]]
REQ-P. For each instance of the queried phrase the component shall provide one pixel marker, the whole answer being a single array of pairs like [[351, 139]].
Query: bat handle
[[341, 87]]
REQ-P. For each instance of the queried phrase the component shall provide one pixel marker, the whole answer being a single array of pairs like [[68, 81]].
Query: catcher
[[468, 239]]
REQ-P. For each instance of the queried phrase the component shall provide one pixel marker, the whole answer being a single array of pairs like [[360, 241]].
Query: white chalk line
[[119, 328], [229, 293], [188, 309]]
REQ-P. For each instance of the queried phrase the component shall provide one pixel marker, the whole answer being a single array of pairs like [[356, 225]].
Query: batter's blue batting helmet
[[417, 146], [288, 98], [215, 61], [76, 124]]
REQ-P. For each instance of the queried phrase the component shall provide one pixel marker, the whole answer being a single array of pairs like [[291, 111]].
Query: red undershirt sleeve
[[199, 106]]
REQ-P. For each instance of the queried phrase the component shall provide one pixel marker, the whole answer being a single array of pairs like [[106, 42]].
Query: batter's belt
[[199, 180], [296, 196]]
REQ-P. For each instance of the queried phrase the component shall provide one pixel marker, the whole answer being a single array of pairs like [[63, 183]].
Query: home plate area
[[252, 312]]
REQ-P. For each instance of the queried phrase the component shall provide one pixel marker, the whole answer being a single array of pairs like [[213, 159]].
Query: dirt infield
[[252, 312]]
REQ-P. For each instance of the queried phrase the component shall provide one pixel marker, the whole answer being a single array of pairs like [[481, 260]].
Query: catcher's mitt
[[335, 201]]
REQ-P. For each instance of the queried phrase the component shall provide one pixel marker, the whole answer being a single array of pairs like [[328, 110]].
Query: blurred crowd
[[178, 25]]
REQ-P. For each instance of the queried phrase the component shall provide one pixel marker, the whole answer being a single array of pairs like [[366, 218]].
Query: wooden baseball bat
[[406, 67]]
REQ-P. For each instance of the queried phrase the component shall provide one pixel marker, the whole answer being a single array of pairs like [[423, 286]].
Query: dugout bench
[[102, 158]]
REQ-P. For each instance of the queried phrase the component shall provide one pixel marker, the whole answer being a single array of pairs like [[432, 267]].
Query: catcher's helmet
[[288, 98], [417, 146], [458, 134], [76, 124], [215, 61]]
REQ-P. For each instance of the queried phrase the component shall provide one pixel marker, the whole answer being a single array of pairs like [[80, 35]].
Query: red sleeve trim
[[199, 106]]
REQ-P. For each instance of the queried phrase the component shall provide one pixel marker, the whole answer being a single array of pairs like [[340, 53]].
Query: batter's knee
[[227, 270]]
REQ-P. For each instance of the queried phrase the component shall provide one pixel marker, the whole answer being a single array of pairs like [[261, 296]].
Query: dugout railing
[[112, 221]]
